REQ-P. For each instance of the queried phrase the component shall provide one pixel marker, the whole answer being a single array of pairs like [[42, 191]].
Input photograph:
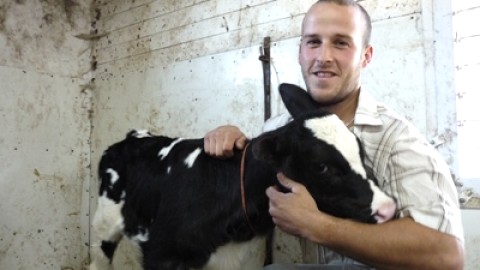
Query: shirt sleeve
[[421, 182], [276, 122]]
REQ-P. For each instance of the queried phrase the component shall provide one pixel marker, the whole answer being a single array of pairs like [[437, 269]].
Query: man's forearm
[[398, 244]]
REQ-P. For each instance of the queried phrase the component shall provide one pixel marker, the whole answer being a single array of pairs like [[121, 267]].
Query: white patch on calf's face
[[165, 150], [113, 175], [108, 220], [143, 133], [333, 131], [190, 160]]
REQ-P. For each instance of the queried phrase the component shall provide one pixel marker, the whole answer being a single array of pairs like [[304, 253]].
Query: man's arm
[[397, 244]]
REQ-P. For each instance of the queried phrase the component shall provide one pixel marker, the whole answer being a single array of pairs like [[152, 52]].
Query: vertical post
[[265, 58]]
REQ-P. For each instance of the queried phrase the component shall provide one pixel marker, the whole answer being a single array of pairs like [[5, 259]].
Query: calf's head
[[317, 150]]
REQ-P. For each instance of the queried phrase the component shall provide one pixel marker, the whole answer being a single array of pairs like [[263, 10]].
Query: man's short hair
[[365, 15]]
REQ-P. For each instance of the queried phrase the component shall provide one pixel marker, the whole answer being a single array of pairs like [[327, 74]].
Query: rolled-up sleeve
[[415, 174], [423, 184]]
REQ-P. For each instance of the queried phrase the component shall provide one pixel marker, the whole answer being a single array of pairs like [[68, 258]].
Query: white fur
[[108, 221], [142, 133], [100, 261], [141, 237], [237, 256], [113, 175], [132, 257], [190, 160], [108, 225], [166, 150], [333, 131]]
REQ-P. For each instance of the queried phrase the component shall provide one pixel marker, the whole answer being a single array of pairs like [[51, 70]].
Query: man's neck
[[346, 108]]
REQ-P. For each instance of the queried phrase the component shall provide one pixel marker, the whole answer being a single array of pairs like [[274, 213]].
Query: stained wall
[[181, 68], [45, 130], [77, 75]]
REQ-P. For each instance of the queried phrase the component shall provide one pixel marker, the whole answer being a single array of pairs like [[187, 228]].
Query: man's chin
[[322, 95]]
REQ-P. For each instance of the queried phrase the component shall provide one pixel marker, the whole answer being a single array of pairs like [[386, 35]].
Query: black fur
[[190, 212]]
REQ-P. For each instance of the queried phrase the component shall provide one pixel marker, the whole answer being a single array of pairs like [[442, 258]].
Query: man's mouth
[[324, 74]]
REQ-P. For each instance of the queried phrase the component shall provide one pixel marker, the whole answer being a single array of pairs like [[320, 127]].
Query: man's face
[[332, 52]]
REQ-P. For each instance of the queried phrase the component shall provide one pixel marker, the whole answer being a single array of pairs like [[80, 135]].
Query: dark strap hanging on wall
[[265, 58]]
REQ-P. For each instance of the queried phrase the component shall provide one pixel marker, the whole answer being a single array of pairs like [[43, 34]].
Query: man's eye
[[341, 44], [313, 42]]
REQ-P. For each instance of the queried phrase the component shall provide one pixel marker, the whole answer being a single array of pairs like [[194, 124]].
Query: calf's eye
[[323, 168]]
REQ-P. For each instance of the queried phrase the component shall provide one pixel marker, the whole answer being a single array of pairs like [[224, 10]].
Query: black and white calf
[[183, 208]]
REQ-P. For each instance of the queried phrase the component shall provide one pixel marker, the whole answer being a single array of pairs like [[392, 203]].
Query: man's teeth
[[324, 74]]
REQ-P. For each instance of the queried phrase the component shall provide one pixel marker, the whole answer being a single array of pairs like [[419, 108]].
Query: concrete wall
[[178, 68], [467, 56], [467, 63], [44, 138], [195, 52], [181, 68]]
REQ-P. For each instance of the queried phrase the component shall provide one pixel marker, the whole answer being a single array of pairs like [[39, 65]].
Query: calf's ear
[[296, 100], [268, 148]]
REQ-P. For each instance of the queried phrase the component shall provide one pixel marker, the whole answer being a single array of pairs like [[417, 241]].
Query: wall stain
[[34, 30], [48, 177], [3, 12]]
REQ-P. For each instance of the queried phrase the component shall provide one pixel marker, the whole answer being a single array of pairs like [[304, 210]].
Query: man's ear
[[299, 51], [367, 56], [296, 100]]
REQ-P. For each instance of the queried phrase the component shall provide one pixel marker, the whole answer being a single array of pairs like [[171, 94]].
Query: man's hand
[[221, 141], [292, 212]]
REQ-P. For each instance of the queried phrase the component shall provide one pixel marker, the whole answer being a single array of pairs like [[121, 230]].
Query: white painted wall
[[44, 138], [467, 63], [178, 68], [181, 68]]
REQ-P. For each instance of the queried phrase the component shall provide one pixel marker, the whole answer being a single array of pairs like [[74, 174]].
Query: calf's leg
[[108, 226]]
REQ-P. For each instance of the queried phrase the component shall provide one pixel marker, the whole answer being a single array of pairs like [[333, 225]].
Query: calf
[[180, 205]]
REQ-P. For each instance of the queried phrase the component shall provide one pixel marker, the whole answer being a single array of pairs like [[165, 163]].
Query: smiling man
[[334, 49], [427, 233]]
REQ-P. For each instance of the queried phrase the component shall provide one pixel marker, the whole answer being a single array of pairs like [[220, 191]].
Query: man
[[427, 233]]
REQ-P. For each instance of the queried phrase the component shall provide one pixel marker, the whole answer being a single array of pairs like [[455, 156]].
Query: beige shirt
[[407, 167]]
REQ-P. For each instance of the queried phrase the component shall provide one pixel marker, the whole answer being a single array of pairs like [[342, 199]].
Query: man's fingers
[[284, 181], [288, 183], [241, 142], [210, 145], [222, 141], [271, 192]]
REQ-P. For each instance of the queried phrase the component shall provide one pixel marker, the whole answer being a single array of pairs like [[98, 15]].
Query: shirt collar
[[367, 110]]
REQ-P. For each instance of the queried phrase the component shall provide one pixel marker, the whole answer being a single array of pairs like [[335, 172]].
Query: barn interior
[[76, 76]]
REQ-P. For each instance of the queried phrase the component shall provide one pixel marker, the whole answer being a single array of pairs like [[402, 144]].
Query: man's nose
[[324, 54]]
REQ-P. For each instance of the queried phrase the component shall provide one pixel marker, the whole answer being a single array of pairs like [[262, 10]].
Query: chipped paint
[[196, 65], [178, 68]]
